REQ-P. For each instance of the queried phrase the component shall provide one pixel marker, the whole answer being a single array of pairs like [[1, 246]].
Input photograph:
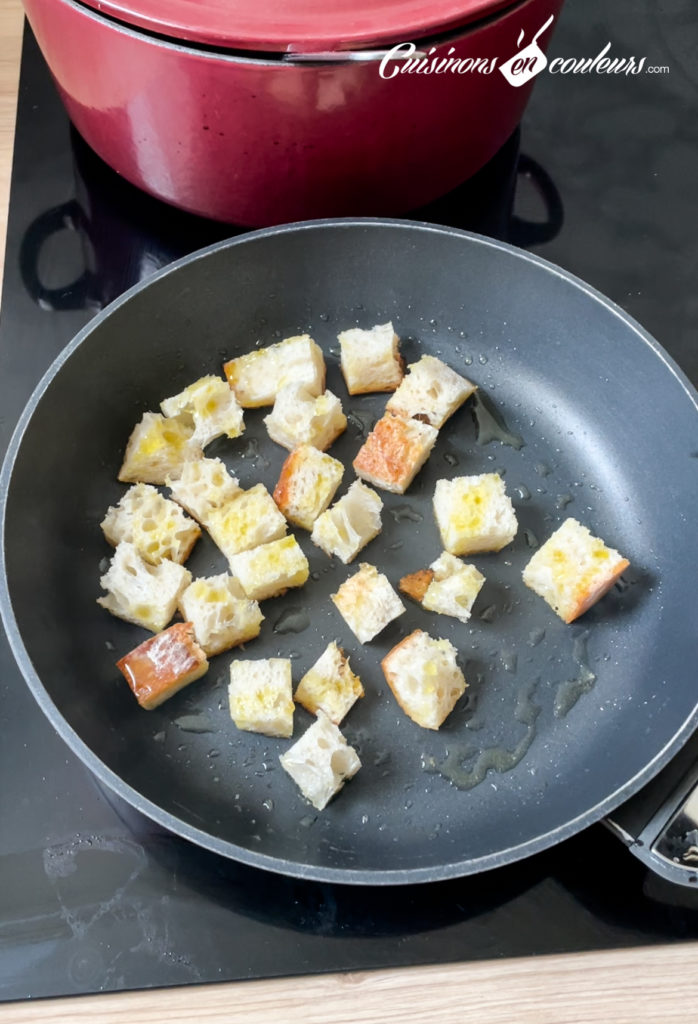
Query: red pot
[[257, 140]]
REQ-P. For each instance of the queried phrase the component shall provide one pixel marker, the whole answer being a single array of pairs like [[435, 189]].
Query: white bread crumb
[[367, 602], [320, 762], [423, 674], [257, 377], [308, 482], [330, 685], [474, 513], [138, 592], [348, 526], [212, 406], [270, 569], [370, 360], [156, 526], [260, 696], [431, 391], [221, 614], [301, 417], [573, 569], [157, 448], [203, 486]]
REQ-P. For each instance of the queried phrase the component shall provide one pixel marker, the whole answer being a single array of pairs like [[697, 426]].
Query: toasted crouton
[[308, 481], [416, 584], [221, 614], [212, 407], [157, 448], [247, 521], [573, 569], [370, 360], [260, 696], [474, 513], [431, 391], [156, 526], [300, 417], [270, 569], [348, 526], [320, 762], [424, 677], [394, 452], [330, 685], [138, 592], [367, 602], [164, 664], [257, 377], [203, 486]]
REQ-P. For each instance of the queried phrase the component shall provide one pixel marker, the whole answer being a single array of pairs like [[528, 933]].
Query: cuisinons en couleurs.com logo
[[526, 62]]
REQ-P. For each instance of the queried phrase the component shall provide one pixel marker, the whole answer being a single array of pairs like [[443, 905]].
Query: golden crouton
[[424, 677], [163, 664], [307, 484], [330, 685], [573, 569], [157, 448], [394, 452]]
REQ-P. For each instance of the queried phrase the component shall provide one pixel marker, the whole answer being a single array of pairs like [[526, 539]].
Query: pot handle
[[526, 233], [349, 56], [659, 825], [78, 294]]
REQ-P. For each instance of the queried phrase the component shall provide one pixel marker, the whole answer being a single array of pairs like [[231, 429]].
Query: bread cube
[[203, 486], [448, 586], [247, 521], [350, 524], [257, 377], [370, 360], [156, 526], [157, 448], [431, 391], [164, 664], [260, 696], [394, 452], [212, 406], [139, 592], [308, 481], [271, 569], [330, 685], [573, 569], [474, 513], [221, 614], [367, 602], [425, 679], [320, 762], [299, 417]]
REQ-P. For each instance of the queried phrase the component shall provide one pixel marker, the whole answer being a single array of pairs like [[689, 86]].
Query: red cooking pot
[[259, 112]]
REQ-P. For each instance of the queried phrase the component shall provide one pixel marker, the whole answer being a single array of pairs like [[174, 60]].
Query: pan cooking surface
[[559, 723]]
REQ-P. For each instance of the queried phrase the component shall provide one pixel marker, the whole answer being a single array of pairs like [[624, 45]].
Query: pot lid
[[297, 25]]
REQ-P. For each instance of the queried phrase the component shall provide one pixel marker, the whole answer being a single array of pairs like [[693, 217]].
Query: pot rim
[[292, 54]]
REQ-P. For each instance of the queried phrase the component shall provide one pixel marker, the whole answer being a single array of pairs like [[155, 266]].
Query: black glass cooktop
[[601, 179]]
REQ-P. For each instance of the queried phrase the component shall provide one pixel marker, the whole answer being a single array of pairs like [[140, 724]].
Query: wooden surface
[[634, 986]]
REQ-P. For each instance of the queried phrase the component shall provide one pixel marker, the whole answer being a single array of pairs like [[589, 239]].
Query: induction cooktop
[[94, 897]]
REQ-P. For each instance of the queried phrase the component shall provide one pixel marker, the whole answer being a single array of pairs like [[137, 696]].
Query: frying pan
[[559, 724]]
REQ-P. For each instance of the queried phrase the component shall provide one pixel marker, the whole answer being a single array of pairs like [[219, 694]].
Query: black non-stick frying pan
[[559, 724]]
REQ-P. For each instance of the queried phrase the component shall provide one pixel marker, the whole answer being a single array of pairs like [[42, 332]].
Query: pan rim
[[352, 876]]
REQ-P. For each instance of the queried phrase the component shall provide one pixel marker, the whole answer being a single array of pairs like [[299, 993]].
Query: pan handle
[[78, 294], [526, 233], [660, 824]]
